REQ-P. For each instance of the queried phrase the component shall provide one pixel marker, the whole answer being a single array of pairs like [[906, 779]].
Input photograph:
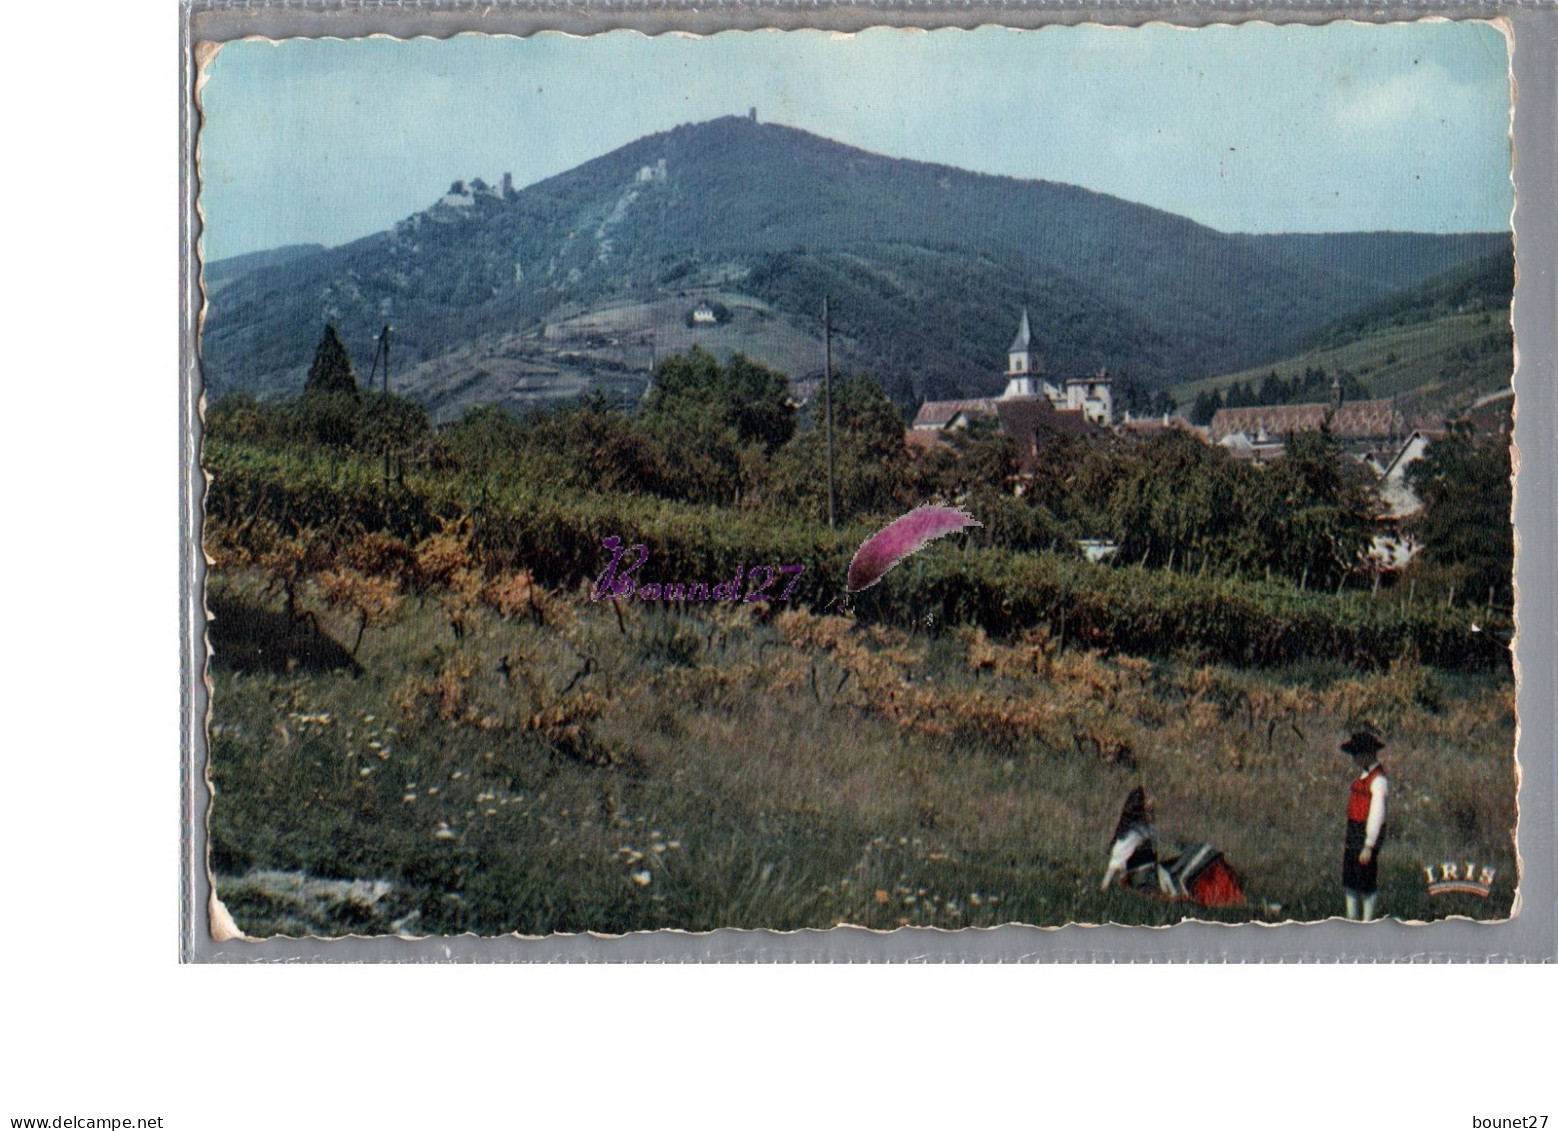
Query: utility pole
[[827, 397], [384, 340]]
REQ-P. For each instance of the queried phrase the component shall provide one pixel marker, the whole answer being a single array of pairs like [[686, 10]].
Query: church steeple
[[1024, 336], [1021, 364]]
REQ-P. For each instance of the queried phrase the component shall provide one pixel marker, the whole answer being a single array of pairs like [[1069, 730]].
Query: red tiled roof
[[1024, 419], [1354, 420], [1020, 419]]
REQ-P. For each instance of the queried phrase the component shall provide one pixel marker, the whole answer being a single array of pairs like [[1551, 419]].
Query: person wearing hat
[[1365, 825]]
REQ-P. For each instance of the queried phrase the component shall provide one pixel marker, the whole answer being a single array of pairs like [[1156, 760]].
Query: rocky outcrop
[[266, 903]]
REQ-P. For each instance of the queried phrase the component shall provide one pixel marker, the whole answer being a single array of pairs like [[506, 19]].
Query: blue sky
[[1257, 128]]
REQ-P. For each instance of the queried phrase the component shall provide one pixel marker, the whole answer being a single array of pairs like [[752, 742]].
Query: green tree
[[392, 425], [1274, 390], [703, 460], [690, 384], [760, 408], [871, 460], [1205, 407], [485, 441], [863, 411], [330, 410], [600, 447], [749, 399], [331, 371], [986, 457], [1317, 512], [587, 446], [332, 419], [239, 416], [715, 424], [1140, 399], [1465, 524], [1177, 502]]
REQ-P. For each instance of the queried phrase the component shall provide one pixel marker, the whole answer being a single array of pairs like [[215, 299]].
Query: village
[[1036, 409]]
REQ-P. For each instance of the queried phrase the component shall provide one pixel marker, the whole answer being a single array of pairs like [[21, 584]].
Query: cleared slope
[[1439, 346]]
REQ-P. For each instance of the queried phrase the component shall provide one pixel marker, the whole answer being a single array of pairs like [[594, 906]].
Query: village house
[[1376, 434], [1395, 490], [1395, 546], [1029, 407], [1489, 416]]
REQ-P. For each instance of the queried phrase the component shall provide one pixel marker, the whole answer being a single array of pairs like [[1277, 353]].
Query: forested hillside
[[927, 268], [1438, 346]]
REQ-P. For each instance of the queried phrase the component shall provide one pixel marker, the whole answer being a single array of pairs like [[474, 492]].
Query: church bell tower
[[1022, 365]]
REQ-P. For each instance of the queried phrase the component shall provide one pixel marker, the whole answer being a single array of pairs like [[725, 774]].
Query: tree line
[[1312, 387], [332, 412], [728, 435]]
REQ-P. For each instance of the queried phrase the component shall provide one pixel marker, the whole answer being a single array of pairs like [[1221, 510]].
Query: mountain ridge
[[927, 267]]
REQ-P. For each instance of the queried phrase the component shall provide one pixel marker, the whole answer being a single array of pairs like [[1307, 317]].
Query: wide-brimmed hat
[[1362, 743]]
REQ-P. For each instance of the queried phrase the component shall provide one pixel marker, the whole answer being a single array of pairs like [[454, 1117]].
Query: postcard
[[911, 478]]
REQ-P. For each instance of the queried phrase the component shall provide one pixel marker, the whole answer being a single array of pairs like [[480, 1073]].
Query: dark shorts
[[1361, 878]]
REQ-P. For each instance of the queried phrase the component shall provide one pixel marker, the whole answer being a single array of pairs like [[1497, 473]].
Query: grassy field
[[1442, 365], [538, 763]]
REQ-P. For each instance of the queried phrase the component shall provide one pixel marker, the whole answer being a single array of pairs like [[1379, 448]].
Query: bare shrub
[[373, 601]]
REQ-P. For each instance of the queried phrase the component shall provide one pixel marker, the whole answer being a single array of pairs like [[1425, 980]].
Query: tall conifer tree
[[332, 368]]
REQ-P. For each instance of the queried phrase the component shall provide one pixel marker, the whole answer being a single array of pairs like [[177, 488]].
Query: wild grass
[[530, 761]]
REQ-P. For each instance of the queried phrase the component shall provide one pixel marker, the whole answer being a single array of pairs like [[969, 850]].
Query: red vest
[[1359, 800]]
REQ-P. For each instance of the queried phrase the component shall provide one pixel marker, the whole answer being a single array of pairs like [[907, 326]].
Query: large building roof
[[939, 414], [1353, 420]]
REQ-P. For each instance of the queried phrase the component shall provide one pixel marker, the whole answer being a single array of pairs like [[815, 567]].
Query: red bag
[[1216, 885]]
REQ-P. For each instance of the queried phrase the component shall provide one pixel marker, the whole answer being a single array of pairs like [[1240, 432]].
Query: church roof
[[1023, 342]]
